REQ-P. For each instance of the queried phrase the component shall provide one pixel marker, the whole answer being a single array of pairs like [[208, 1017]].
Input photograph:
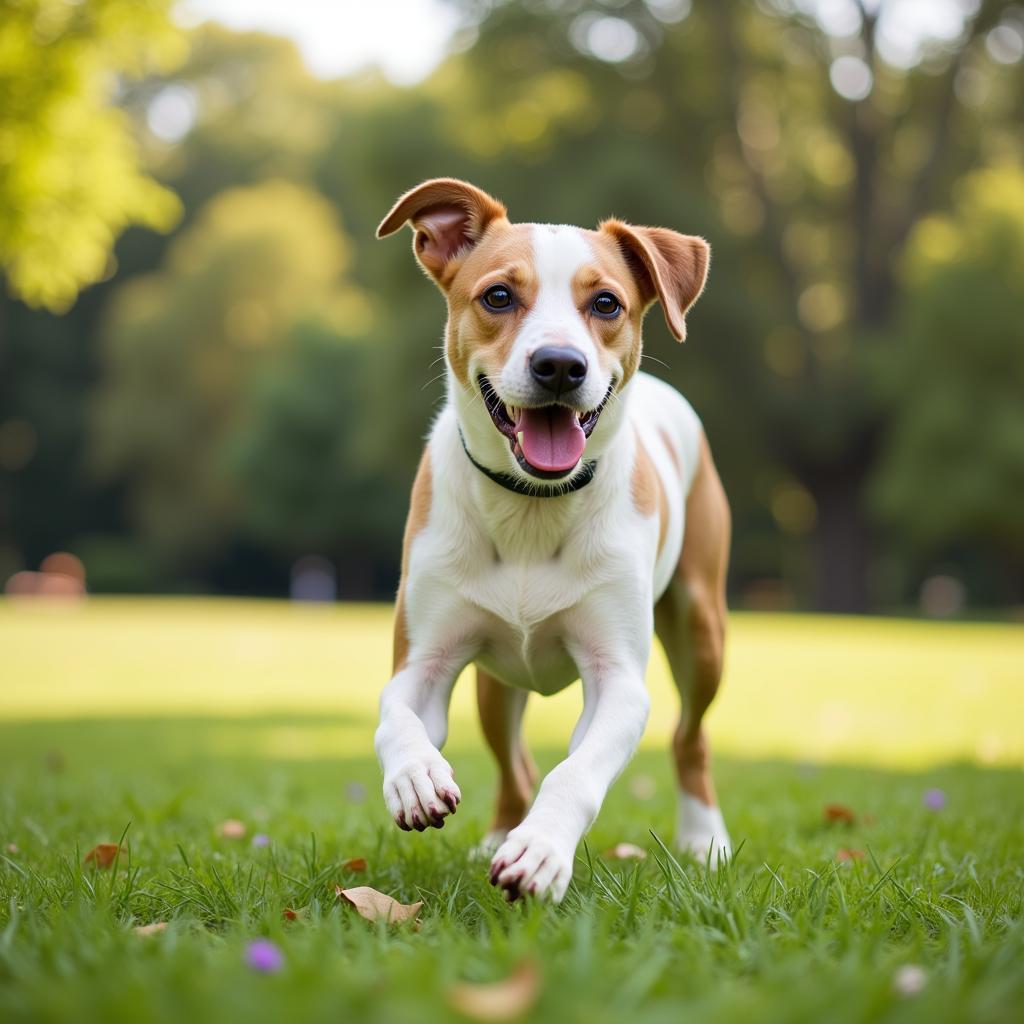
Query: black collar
[[538, 490]]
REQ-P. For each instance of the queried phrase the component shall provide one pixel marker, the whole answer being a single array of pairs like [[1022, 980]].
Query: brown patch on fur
[[648, 492], [419, 513], [400, 643], [666, 265], [621, 338], [517, 772], [447, 216], [671, 448], [503, 256], [690, 622]]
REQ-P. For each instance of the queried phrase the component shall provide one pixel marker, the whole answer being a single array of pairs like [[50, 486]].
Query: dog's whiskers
[[440, 376], [655, 359]]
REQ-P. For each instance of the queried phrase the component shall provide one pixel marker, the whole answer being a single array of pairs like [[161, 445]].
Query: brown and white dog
[[566, 507]]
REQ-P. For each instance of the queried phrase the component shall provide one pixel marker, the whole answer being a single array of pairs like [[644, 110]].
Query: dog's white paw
[[702, 832], [529, 862], [489, 845], [421, 793]]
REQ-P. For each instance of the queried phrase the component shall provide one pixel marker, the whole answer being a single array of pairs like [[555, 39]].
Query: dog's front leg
[[537, 856], [419, 785]]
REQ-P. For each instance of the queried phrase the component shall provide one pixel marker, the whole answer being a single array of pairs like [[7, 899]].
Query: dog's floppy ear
[[667, 265], [448, 216]]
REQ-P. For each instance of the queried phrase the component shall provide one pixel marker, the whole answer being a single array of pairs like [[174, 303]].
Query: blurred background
[[214, 380]]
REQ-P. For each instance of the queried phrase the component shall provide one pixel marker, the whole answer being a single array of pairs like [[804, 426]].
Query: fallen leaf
[[625, 851], [839, 812], [507, 999], [231, 829], [843, 854], [376, 906], [103, 855], [290, 915], [150, 929], [355, 864]]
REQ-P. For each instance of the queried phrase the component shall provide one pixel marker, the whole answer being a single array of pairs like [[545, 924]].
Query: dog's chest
[[533, 657], [524, 601]]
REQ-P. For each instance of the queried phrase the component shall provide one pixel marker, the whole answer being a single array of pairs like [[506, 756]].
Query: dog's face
[[544, 321]]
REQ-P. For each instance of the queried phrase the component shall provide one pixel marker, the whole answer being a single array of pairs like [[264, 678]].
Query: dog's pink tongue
[[551, 438]]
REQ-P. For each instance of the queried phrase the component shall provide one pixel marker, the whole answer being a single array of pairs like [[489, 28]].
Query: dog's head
[[544, 321]]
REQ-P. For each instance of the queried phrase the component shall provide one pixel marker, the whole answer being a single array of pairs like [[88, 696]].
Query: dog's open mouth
[[547, 440]]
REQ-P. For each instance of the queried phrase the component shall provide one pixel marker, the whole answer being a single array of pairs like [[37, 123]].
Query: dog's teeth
[[519, 437], [510, 412]]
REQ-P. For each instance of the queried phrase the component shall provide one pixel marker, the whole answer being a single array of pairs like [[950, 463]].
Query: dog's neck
[[521, 527]]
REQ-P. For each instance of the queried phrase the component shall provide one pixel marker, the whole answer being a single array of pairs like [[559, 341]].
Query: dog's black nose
[[558, 369]]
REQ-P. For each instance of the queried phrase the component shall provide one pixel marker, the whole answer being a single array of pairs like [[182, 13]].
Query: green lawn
[[162, 719]]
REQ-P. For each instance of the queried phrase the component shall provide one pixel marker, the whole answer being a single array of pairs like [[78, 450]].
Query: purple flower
[[261, 839], [263, 956], [934, 799]]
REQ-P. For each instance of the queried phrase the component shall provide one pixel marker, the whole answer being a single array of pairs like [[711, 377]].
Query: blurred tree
[[307, 480], [953, 469], [70, 179], [739, 122], [823, 132], [851, 122], [184, 345]]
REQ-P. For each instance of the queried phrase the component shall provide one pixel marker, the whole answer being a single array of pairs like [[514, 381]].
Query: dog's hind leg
[[690, 622], [501, 714]]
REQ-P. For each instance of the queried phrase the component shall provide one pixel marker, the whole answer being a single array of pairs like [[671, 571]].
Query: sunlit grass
[[886, 692], [160, 719]]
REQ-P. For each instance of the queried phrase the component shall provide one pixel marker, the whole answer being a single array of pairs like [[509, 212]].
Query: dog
[[566, 507]]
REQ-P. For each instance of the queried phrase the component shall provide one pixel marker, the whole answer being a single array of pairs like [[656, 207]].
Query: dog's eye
[[606, 305], [497, 297]]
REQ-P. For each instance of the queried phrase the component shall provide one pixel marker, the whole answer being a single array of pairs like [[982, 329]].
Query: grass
[[159, 720]]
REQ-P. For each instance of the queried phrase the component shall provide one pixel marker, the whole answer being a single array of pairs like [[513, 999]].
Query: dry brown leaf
[[355, 864], [291, 915], [232, 828], [150, 929], [625, 851], [507, 999], [839, 813], [843, 854], [103, 855], [377, 906]]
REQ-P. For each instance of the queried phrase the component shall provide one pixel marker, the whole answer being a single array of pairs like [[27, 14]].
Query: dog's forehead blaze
[[527, 256]]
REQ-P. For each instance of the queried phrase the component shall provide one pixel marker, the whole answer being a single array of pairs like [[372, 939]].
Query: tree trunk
[[842, 540]]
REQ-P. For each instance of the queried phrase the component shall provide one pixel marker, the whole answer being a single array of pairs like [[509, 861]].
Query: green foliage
[[70, 175], [304, 458], [185, 344], [953, 469], [722, 123]]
